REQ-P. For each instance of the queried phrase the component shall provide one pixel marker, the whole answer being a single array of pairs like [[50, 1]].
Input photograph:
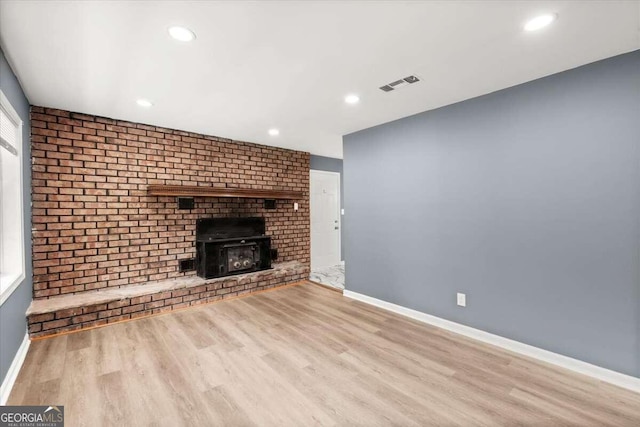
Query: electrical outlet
[[461, 299]]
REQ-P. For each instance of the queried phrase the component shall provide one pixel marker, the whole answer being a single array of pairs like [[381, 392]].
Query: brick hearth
[[96, 308]]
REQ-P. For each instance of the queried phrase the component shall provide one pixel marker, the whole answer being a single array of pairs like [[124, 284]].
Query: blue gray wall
[[330, 164], [527, 200], [13, 323]]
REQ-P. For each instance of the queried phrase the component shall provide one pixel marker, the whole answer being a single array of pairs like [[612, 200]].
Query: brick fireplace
[[97, 229]]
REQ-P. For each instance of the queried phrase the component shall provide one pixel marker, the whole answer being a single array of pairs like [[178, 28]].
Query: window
[[11, 220]]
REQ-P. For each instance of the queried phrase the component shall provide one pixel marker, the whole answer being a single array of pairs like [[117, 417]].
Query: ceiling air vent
[[399, 83]]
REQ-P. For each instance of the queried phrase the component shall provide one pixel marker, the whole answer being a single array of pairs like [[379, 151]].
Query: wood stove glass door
[[242, 257]]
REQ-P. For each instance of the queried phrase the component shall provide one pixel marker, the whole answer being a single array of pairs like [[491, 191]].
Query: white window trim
[[13, 281]]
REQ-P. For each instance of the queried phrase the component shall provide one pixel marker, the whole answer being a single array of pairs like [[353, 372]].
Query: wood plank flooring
[[301, 356]]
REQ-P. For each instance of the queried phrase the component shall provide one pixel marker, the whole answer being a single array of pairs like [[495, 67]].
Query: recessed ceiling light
[[274, 132], [182, 34], [540, 22], [352, 99], [144, 103]]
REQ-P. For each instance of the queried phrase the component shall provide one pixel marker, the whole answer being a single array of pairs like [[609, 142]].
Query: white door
[[325, 218]]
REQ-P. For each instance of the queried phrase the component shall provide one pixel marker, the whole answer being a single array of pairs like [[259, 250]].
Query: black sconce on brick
[[185, 203]]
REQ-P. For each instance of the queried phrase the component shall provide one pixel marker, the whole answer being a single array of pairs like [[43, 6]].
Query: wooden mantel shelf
[[207, 191]]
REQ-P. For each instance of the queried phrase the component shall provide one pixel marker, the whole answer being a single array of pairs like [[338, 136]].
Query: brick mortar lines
[[95, 227]]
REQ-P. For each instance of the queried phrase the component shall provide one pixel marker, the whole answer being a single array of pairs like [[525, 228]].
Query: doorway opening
[[326, 265]]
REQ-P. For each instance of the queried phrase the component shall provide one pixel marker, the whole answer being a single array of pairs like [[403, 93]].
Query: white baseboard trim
[[603, 374], [14, 369]]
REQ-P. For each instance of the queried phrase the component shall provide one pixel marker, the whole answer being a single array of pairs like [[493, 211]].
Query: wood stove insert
[[228, 246]]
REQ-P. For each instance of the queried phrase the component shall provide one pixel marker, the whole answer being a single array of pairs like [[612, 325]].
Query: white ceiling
[[287, 64]]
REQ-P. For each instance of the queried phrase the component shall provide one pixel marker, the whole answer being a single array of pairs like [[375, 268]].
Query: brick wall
[[95, 227]]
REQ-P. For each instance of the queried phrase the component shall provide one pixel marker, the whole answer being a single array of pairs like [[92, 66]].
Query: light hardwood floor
[[300, 356]]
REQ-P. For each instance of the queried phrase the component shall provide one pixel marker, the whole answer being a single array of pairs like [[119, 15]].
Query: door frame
[[311, 173]]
